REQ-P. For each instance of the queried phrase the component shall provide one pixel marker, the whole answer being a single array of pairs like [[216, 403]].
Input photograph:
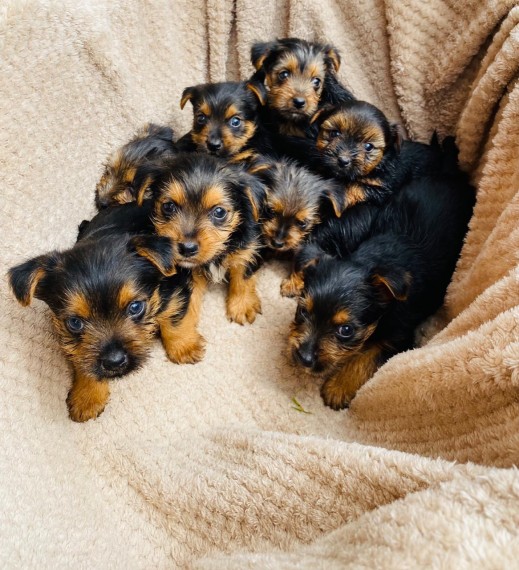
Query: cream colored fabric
[[209, 465]]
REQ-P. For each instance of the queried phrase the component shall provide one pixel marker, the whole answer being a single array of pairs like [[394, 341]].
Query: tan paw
[[336, 396], [243, 309], [86, 405], [189, 352], [291, 286]]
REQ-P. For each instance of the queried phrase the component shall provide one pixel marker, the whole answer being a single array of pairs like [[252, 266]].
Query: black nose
[[299, 102], [343, 161], [114, 358], [188, 248], [214, 145], [306, 355], [277, 243]]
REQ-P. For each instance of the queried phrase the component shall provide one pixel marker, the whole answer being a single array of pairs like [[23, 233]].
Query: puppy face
[[353, 139], [295, 72], [224, 116], [338, 312], [292, 206], [117, 183], [104, 299], [201, 203]]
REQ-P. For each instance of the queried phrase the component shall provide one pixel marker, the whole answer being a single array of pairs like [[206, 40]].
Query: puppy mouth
[[187, 263]]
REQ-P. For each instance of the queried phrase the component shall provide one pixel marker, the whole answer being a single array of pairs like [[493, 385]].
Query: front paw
[[87, 403], [336, 396], [189, 351], [291, 286], [243, 309]]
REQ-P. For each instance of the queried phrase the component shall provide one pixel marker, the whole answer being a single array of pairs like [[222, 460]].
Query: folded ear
[[259, 52], [255, 192], [322, 114], [258, 88], [398, 134], [25, 279], [332, 58], [188, 94], [336, 194], [158, 250], [391, 283]]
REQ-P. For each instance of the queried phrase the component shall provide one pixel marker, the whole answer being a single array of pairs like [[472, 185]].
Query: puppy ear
[[25, 279], [259, 52], [332, 58], [258, 88], [337, 197], [188, 94], [255, 192], [398, 134], [322, 114], [158, 250], [391, 284]]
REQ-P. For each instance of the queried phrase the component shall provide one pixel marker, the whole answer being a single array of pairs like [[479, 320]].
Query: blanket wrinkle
[[209, 466]]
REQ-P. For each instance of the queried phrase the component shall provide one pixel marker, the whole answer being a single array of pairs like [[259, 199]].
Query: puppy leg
[[339, 390], [243, 303], [182, 341], [292, 285], [87, 398]]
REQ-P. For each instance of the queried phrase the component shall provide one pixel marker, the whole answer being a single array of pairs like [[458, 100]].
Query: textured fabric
[[209, 465]]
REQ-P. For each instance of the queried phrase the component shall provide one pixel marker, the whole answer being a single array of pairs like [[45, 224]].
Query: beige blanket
[[209, 465]]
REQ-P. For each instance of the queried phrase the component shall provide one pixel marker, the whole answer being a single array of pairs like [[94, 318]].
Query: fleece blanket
[[210, 465]]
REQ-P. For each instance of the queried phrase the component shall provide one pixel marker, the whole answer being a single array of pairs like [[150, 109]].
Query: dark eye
[[136, 309], [368, 147], [301, 314], [284, 75], [302, 224], [344, 332], [316, 82], [201, 119], [169, 208], [219, 213], [333, 134], [235, 122], [75, 325]]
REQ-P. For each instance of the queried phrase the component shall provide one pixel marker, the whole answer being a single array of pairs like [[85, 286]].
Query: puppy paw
[[336, 396], [87, 404], [189, 351], [243, 309], [291, 286]]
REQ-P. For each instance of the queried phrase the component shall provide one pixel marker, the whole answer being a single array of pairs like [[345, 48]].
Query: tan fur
[[243, 303], [292, 285], [87, 398]]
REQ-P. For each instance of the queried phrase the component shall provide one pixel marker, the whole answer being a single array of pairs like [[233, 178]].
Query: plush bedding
[[209, 465]]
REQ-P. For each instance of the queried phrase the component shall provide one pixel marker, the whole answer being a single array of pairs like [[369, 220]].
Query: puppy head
[[224, 116], [104, 298], [117, 183], [292, 204], [354, 138], [339, 310], [201, 203], [295, 71]]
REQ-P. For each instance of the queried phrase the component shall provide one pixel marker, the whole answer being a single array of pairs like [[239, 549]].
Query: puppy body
[[117, 184], [297, 78], [108, 299], [359, 306], [211, 211]]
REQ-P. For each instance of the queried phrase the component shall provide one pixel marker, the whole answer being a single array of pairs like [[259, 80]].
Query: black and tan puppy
[[225, 121], [118, 182], [297, 78], [211, 212], [358, 308], [109, 299]]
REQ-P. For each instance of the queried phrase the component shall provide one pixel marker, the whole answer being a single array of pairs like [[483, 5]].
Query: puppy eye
[[333, 134], [301, 314], [284, 75], [201, 119], [235, 122], [169, 208], [344, 332], [136, 309], [368, 147], [316, 82], [302, 224], [75, 325], [219, 213]]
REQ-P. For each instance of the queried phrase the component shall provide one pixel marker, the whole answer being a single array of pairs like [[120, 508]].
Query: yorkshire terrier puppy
[[358, 308], [211, 212], [297, 78], [117, 184], [225, 121], [108, 298]]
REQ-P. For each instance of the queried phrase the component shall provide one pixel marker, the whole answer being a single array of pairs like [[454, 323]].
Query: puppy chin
[[187, 264]]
